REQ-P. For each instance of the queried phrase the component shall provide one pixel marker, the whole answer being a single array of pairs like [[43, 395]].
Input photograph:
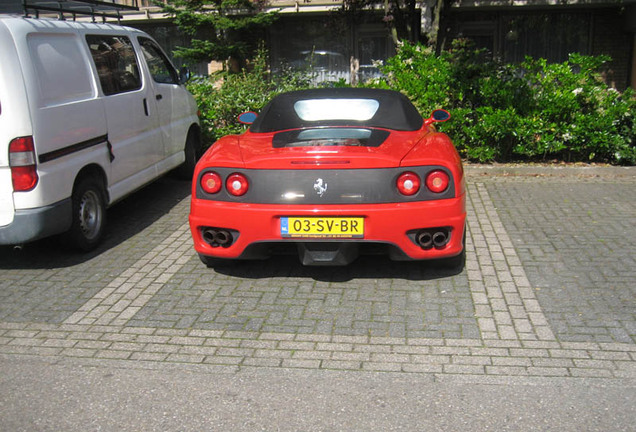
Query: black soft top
[[394, 112]]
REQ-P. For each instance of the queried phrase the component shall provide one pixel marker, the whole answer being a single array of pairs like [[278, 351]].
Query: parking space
[[547, 291], [576, 240]]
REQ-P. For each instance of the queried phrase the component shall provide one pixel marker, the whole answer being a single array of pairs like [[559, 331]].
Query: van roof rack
[[86, 8]]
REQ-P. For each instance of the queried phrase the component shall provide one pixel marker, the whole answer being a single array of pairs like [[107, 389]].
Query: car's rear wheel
[[458, 262], [212, 262], [89, 214], [455, 263]]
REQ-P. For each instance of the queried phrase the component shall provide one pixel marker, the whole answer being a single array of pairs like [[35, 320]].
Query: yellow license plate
[[322, 227]]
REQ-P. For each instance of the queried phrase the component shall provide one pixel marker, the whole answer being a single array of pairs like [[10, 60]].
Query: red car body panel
[[387, 223], [257, 152]]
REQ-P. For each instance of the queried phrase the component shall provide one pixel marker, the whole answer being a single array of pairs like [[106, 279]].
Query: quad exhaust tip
[[217, 237], [433, 237], [425, 239]]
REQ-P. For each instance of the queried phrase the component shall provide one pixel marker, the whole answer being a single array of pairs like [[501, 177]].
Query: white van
[[88, 114]]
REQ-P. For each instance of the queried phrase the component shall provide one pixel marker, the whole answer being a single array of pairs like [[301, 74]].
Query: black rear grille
[[327, 186]]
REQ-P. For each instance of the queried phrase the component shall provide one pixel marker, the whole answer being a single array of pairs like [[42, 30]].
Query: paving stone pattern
[[547, 292], [578, 246]]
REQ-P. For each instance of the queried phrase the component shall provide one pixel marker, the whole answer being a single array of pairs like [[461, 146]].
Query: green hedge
[[222, 97], [530, 111]]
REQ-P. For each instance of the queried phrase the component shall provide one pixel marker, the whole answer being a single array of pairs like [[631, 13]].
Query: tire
[[212, 262], [89, 214], [192, 150], [457, 263]]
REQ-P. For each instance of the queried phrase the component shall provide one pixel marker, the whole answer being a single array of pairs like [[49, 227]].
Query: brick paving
[[579, 250], [547, 292]]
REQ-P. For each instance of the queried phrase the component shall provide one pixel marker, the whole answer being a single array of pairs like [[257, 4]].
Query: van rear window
[[116, 63]]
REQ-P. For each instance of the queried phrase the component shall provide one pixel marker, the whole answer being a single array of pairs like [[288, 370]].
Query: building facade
[[550, 29], [509, 29], [312, 32]]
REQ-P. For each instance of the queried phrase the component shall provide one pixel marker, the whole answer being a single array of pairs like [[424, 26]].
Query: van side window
[[116, 64], [160, 67], [63, 73]]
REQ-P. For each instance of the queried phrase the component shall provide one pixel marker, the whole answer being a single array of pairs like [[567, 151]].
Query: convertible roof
[[395, 111]]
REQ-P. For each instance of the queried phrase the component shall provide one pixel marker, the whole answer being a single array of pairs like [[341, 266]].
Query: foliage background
[[530, 111], [219, 29], [223, 96], [533, 111]]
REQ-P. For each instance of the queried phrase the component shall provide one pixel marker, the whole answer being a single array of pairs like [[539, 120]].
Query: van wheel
[[192, 149], [89, 214]]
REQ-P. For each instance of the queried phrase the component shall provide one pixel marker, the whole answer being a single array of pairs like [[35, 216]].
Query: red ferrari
[[329, 174]]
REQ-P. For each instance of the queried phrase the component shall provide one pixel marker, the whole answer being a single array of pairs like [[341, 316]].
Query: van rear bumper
[[33, 224]]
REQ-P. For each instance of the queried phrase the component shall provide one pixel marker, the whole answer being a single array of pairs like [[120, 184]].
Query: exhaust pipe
[[440, 239], [432, 237], [425, 240], [208, 235], [222, 237], [216, 237]]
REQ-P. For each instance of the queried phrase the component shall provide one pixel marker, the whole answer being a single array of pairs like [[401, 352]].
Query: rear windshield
[[336, 109], [329, 137]]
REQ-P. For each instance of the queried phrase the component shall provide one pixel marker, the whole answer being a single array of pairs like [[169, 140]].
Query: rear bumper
[[254, 226], [33, 224]]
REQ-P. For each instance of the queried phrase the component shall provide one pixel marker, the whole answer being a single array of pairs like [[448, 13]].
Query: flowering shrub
[[533, 110], [530, 111]]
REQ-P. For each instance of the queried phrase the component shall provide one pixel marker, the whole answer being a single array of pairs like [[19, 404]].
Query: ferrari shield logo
[[320, 186]]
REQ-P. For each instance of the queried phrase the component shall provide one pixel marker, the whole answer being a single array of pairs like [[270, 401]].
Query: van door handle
[[159, 97], [146, 107]]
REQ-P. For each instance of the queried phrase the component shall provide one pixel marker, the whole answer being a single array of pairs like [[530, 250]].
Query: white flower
[[577, 91]]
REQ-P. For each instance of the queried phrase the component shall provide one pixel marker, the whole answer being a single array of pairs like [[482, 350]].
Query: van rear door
[[48, 95], [14, 117], [68, 119]]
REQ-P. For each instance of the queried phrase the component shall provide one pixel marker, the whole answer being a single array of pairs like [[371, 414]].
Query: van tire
[[89, 214], [192, 150]]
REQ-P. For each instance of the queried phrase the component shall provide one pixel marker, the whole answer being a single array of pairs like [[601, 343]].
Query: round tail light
[[408, 183], [437, 181], [211, 182], [237, 184]]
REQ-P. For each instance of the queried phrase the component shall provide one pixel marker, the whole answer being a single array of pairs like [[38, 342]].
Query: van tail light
[[22, 162]]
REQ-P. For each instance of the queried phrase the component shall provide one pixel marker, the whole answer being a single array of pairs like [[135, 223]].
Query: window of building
[[552, 36]]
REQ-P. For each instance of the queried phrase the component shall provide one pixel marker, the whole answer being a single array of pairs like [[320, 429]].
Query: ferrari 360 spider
[[329, 174]]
